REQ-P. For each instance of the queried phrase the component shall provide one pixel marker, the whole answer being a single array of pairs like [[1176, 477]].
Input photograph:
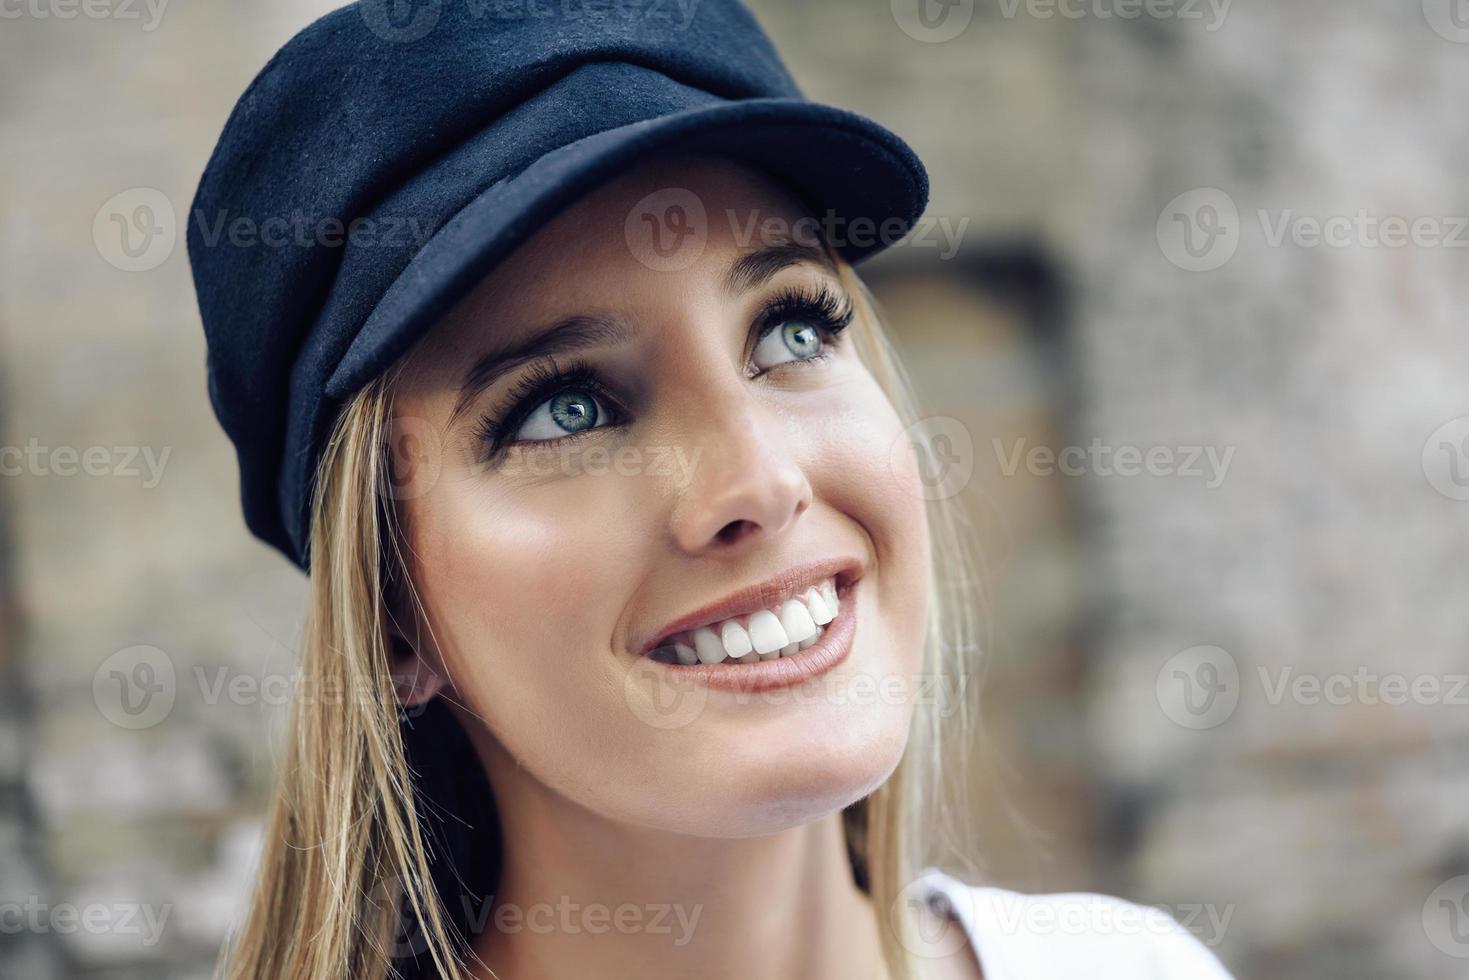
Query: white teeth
[[736, 639], [820, 615], [796, 621], [766, 633], [829, 596], [710, 650]]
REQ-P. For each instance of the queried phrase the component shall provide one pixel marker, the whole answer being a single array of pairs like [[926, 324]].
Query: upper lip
[[762, 595]]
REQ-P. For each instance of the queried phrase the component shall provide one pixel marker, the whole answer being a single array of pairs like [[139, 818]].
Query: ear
[[415, 681]]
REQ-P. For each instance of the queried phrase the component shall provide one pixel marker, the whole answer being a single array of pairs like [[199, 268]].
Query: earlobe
[[414, 681]]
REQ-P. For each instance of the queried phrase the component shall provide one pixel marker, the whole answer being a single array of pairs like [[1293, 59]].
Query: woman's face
[[559, 529]]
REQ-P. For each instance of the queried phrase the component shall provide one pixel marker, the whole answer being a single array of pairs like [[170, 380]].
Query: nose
[[746, 486]]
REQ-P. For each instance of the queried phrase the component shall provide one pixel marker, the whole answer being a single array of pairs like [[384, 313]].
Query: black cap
[[393, 152]]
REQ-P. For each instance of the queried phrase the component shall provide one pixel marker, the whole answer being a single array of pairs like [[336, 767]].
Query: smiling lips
[[792, 626]]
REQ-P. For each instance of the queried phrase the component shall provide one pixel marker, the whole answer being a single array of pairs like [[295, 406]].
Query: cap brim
[[838, 162]]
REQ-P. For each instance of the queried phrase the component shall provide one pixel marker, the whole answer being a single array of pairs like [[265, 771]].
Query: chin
[[771, 777]]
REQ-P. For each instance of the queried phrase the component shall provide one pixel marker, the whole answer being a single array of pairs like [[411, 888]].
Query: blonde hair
[[356, 848]]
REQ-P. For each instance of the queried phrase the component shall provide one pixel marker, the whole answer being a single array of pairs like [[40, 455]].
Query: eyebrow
[[584, 331]]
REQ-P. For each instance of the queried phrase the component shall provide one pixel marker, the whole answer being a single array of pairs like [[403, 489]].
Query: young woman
[[645, 645]]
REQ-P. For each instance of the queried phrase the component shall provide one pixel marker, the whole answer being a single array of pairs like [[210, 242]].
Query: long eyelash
[[822, 305], [542, 380], [829, 310]]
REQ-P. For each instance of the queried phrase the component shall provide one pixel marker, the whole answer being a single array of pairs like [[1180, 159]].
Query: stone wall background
[[1090, 152]]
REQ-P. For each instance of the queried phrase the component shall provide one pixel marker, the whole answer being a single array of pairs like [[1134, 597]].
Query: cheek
[[522, 608], [863, 466]]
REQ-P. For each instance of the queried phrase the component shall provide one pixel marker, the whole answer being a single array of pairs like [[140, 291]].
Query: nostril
[[735, 530]]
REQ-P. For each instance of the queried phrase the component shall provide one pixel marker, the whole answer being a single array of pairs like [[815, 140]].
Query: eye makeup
[[820, 305]]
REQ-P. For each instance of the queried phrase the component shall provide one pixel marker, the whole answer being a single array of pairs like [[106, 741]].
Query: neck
[[583, 895]]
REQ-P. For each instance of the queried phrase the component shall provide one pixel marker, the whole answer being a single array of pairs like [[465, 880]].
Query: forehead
[[616, 248]]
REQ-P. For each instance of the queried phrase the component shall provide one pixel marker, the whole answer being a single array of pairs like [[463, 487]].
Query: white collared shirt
[[1075, 935]]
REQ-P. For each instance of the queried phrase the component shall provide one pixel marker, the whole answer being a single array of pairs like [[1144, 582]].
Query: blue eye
[[566, 413], [790, 340]]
